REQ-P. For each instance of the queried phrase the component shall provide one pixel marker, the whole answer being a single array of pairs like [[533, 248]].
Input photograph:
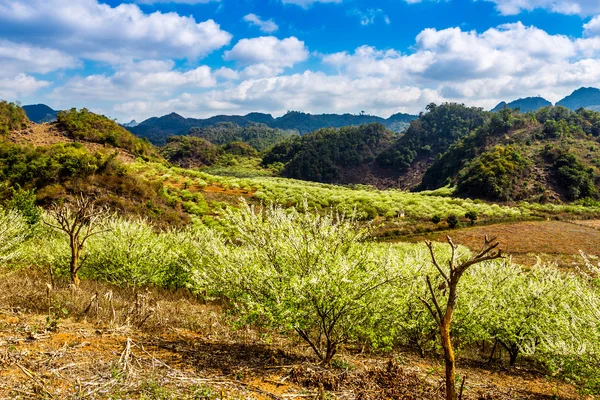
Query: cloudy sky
[[199, 58]]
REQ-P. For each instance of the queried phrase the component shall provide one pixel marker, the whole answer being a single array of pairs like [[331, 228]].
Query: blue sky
[[199, 58]]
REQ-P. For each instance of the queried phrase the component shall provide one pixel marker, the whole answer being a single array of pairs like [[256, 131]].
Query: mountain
[[40, 113], [584, 97], [525, 105], [157, 129], [131, 124]]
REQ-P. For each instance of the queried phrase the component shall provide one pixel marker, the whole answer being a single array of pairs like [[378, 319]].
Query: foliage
[[472, 216], [305, 272], [495, 174], [573, 177], [432, 134], [12, 117], [436, 219], [324, 155], [452, 221], [24, 202], [64, 170], [189, 151], [258, 136], [85, 125], [535, 141], [132, 252], [13, 232]]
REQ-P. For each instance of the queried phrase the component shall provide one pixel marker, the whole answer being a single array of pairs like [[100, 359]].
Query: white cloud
[[267, 55], [144, 79], [100, 32], [267, 26], [369, 16], [571, 7], [174, 1], [482, 68], [308, 3], [17, 58], [592, 28], [20, 85]]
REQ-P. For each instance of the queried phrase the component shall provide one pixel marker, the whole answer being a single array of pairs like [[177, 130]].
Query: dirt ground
[[81, 357], [552, 241]]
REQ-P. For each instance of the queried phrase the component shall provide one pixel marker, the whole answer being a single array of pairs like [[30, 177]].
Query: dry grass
[[102, 342], [552, 241]]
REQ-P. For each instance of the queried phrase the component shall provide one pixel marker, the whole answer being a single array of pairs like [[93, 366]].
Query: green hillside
[[551, 154]]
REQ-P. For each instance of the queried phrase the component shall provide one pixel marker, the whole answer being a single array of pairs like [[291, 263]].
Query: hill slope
[[553, 156]]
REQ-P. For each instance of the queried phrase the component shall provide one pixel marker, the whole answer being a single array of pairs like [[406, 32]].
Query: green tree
[[314, 274]]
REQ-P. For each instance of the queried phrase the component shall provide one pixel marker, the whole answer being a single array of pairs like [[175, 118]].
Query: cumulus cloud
[[477, 68], [98, 31], [572, 7], [592, 28], [147, 79], [17, 58], [267, 55], [267, 26], [20, 85], [499, 64]]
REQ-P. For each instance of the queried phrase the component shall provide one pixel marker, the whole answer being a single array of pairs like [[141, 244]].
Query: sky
[[141, 58]]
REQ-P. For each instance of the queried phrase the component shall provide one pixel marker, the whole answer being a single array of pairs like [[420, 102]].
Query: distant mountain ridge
[[585, 97], [40, 113], [157, 129], [525, 105]]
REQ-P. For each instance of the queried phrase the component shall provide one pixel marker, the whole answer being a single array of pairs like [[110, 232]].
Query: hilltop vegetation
[[259, 136], [550, 154], [12, 117], [84, 125], [330, 155]]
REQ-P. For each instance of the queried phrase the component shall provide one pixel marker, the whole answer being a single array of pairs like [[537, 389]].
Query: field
[[551, 241], [187, 350]]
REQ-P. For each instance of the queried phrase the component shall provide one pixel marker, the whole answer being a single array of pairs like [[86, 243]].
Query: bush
[[314, 274], [452, 221], [12, 117], [13, 232], [472, 216], [436, 219]]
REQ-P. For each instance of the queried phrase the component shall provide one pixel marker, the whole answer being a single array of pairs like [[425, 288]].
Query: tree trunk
[[331, 351], [449, 360], [74, 265], [513, 357]]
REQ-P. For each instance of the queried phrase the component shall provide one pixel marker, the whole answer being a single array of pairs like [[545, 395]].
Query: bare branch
[[434, 260]]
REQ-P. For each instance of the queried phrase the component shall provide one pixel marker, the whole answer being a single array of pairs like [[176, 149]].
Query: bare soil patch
[[551, 241]]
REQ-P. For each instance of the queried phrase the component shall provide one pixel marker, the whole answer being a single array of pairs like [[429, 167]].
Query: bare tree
[[443, 316], [80, 220]]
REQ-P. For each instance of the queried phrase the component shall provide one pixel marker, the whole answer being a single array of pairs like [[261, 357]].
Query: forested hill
[[551, 154], [158, 129]]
